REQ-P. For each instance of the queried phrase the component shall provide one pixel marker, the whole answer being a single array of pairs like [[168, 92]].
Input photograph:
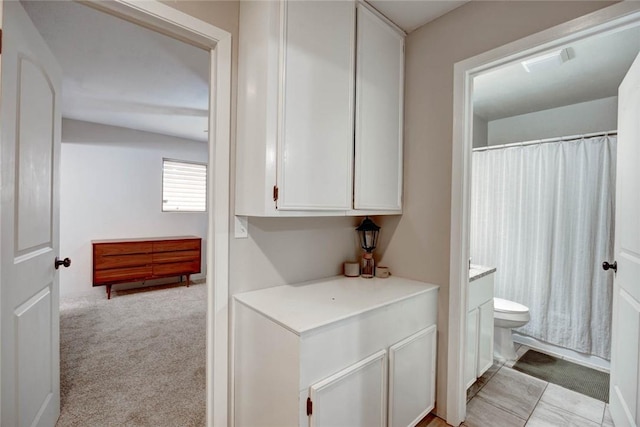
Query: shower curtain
[[543, 215]]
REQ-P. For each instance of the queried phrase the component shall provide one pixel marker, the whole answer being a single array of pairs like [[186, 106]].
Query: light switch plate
[[241, 227]]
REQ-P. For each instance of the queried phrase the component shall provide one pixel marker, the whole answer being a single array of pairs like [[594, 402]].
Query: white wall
[[577, 119], [416, 245], [111, 187], [419, 245], [480, 131], [278, 250]]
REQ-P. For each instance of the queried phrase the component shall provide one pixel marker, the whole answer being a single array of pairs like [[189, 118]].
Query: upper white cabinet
[[314, 106], [316, 118], [379, 102]]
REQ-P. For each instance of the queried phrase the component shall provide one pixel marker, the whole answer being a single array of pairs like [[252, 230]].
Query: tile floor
[[504, 397]]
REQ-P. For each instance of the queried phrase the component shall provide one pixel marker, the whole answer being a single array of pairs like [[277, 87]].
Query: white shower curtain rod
[[544, 141]]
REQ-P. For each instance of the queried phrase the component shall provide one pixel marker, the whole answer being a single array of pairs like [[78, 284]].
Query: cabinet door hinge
[[275, 193], [0, 40], [309, 407]]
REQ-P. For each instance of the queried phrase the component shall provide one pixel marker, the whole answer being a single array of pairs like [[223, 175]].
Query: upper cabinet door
[[379, 102], [315, 148]]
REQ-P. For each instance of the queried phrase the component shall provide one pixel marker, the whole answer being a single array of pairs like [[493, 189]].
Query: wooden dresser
[[133, 260]]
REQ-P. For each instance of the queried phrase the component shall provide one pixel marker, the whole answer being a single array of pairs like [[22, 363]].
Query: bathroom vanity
[[479, 355], [338, 351]]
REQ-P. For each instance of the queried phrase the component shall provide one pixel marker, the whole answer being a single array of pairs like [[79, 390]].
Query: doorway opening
[[217, 42], [608, 21], [543, 190], [131, 98]]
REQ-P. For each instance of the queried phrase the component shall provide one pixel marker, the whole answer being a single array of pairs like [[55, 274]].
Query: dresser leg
[[188, 280], [108, 291]]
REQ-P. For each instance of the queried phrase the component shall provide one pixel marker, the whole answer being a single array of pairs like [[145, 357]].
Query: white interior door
[[30, 135], [625, 355]]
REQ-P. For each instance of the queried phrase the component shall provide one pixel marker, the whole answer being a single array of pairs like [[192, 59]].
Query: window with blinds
[[184, 186]]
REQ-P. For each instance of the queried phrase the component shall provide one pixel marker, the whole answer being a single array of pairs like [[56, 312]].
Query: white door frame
[[170, 21], [612, 18]]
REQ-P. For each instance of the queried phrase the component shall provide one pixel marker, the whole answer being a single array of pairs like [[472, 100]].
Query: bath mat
[[566, 374]]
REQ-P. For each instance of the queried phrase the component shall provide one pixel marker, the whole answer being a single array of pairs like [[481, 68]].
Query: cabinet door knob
[[613, 266], [65, 262]]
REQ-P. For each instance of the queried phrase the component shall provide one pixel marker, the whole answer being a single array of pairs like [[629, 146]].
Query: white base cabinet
[[339, 352], [355, 396], [471, 357], [479, 341], [411, 372], [485, 337]]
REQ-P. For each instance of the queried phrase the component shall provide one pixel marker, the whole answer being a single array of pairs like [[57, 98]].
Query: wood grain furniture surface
[[133, 260]]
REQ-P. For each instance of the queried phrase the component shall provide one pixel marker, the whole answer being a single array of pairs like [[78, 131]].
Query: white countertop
[[478, 271], [306, 306]]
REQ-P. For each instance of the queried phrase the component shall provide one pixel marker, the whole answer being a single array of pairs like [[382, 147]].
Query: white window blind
[[184, 186]]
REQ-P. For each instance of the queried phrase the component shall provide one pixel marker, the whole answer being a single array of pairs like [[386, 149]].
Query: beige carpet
[[135, 360]]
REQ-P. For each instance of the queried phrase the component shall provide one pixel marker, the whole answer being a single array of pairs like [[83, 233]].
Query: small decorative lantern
[[368, 233]]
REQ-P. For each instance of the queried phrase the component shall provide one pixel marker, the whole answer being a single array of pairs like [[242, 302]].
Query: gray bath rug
[[587, 381]]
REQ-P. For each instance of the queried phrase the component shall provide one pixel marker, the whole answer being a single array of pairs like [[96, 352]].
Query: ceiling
[[595, 69], [411, 14], [120, 74]]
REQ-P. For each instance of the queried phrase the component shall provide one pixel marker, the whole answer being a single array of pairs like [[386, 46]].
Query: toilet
[[506, 316]]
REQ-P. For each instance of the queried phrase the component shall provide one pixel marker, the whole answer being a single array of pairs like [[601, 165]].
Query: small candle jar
[[368, 267], [351, 269], [382, 272]]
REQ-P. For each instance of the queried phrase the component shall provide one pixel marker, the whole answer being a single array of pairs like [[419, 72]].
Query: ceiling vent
[[546, 62]]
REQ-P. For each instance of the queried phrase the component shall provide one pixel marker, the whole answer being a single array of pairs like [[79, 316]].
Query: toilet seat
[[508, 307]]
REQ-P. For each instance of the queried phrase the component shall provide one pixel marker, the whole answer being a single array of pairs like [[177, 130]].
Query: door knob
[[65, 262], [613, 266]]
